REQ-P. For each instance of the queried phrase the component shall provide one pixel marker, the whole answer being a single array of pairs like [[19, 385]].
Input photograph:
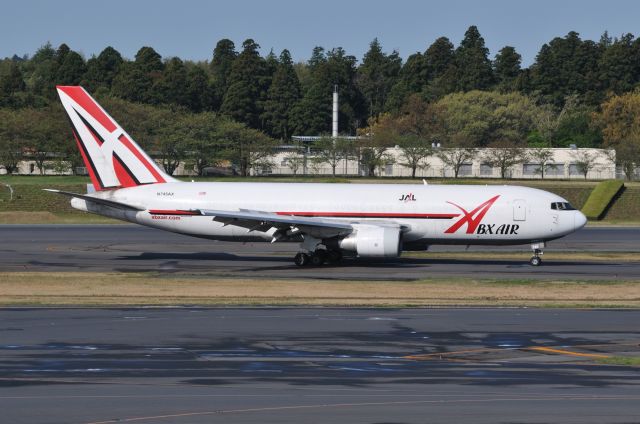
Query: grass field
[[28, 196], [109, 289]]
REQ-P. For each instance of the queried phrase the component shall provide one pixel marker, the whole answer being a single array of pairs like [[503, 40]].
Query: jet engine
[[373, 241]]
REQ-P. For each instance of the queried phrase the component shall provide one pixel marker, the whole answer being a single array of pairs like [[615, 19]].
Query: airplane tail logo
[[111, 156], [473, 218]]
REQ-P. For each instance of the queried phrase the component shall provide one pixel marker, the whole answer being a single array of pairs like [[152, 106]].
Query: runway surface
[[128, 248], [317, 365]]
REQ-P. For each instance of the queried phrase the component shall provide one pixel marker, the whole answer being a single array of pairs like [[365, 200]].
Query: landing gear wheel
[[535, 261], [318, 258], [334, 257], [301, 259]]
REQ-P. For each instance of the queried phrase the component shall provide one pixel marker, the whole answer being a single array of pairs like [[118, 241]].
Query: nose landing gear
[[536, 260]]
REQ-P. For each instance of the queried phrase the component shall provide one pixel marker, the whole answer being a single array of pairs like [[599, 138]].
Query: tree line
[[577, 91]]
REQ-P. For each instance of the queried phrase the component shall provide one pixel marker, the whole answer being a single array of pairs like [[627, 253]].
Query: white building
[[563, 165]]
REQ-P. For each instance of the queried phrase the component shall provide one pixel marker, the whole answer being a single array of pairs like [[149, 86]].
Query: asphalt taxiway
[[129, 248], [317, 365]]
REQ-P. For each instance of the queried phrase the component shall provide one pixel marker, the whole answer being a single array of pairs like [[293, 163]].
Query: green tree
[[197, 91], [376, 76], [295, 159], [245, 86], [43, 136], [482, 117], [194, 137], [414, 152], [149, 61], [44, 67], [585, 161], [441, 69], [567, 66], [283, 95], [628, 154], [619, 118], [619, 64], [313, 114], [135, 81], [372, 148], [507, 68], [71, 69], [102, 70], [456, 157], [132, 84], [12, 131], [474, 71], [542, 157], [224, 54], [170, 88], [247, 148], [412, 78], [11, 84], [504, 155], [332, 151]]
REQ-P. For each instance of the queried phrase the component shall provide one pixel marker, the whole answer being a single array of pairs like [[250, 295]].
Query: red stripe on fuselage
[[372, 215], [171, 212]]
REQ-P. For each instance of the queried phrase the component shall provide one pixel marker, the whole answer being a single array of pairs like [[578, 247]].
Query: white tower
[[334, 128]]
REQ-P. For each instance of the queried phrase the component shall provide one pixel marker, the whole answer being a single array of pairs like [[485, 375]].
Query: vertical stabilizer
[[112, 157]]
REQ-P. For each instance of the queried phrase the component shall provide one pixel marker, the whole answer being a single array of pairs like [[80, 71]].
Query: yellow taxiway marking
[[444, 355], [566, 352]]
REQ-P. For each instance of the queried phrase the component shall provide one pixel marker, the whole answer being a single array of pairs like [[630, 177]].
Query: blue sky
[[190, 28]]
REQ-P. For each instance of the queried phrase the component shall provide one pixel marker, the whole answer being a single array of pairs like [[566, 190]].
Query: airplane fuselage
[[429, 214]]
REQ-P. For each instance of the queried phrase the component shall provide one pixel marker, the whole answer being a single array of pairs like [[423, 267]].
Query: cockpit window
[[562, 206]]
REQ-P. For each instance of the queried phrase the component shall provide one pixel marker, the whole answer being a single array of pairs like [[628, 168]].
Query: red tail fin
[[110, 154]]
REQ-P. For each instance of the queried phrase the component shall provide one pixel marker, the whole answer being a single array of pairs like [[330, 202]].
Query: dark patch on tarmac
[[290, 364]]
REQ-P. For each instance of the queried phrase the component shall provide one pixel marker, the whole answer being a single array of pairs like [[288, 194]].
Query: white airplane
[[365, 220]]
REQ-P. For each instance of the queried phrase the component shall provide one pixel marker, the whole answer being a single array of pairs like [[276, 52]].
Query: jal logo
[[471, 218], [409, 197]]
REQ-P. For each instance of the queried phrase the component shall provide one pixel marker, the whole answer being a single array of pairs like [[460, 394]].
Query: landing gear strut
[[536, 260], [301, 259]]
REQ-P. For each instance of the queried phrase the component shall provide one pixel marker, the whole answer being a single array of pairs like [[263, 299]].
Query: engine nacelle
[[373, 241]]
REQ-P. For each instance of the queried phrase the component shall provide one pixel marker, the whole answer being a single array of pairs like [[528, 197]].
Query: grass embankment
[[601, 198], [109, 289], [31, 205]]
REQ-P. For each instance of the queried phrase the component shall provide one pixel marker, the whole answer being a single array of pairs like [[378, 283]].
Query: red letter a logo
[[473, 218]]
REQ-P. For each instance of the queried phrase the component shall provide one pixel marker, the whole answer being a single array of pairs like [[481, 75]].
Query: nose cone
[[579, 220]]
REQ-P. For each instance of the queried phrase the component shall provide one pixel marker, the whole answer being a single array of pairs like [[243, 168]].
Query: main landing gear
[[536, 260], [316, 253], [318, 257]]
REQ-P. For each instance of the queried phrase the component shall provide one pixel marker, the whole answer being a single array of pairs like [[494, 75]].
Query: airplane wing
[[264, 221], [97, 200]]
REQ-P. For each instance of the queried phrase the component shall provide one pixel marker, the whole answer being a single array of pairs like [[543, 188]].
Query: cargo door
[[519, 210]]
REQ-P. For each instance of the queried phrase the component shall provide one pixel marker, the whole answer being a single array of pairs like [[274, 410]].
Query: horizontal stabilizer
[[97, 200]]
